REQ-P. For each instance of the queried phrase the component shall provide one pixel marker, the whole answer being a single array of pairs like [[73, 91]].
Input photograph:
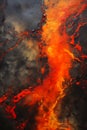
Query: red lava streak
[[60, 57]]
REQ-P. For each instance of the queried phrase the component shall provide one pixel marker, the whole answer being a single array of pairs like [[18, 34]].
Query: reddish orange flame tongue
[[58, 51], [59, 57]]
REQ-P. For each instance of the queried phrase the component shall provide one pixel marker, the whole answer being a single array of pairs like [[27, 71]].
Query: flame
[[60, 57]]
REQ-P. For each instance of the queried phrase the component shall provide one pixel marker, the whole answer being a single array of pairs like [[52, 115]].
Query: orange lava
[[59, 54]]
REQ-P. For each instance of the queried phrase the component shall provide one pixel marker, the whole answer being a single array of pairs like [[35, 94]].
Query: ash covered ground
[[20, 64]]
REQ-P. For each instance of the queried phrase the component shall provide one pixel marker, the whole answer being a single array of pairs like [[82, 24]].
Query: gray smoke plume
[[20, 65], [23, 14]]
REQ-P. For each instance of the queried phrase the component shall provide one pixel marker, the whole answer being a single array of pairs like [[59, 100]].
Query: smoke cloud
[[23, 14]]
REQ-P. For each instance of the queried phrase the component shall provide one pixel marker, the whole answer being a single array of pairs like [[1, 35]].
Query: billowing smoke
[[24, 14], [19, 66]]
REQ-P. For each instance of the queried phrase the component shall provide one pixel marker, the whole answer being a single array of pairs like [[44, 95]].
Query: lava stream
[[59, 58], [58, 50]]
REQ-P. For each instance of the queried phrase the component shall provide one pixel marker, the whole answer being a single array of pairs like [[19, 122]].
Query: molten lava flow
[[59, 57], [57, 49]]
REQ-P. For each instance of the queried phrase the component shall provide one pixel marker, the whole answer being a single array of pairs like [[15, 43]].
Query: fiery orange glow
[[60, 57]]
